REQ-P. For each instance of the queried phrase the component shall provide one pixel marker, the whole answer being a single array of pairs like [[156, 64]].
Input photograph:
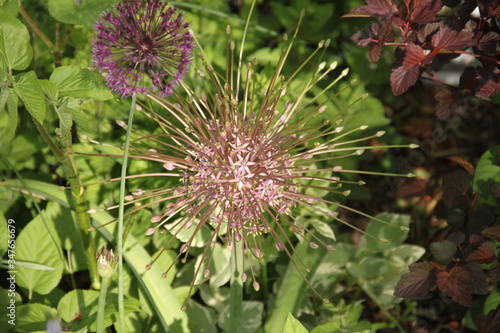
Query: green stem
[[101, 306], [119, 236], [236, 288], [35, 28], [64, 154]]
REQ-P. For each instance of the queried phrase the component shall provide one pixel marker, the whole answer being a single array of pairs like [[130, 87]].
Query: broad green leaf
[[4, 96], [251, 319], [200, 239], [202, 319], [387, 235], [323, 229], [49, 89], [368, 268], [10, 7], [487, 173], [33, 317], [84, 304], [12, 112], [443, 251], [15, 47], [35, 245], [39, 189], [80, 83], [78, 12], [68, 236], [78, 115], [29, 90], [4, 235], [292, 325]]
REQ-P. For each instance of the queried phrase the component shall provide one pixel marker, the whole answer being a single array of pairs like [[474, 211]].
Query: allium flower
[[143, 44], [242, 156]]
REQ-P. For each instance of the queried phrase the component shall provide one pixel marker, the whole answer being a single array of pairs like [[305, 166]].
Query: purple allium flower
[[143, 44]]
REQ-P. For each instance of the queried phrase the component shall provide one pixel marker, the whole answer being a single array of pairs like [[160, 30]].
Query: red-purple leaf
[[492, 232], [451, 40], [375, 8], [477, 282], [488, 43], [484, 254], [414, 55], [424, 11], [417, 282], [487, 88], [456, 285], [489, 323], [403, 78], [495, 272]]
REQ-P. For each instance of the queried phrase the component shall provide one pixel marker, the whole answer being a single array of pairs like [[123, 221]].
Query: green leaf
[[4, 96], [443, 251], [487, 174], [78, 114], [387, 235], [78, 12], [251, 319], [35, 245], [80, 83], [29, 90], [39, 190], [15, 47], [368, 268], [83, 303], [12, 112], [33, 317], [202, 319], [49, 89], [4, 235], [292, 325], [10, 7]]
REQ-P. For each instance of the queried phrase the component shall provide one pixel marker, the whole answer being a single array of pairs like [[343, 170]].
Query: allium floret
[[143, 45]]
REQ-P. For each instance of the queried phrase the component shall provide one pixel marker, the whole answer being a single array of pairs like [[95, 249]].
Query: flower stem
[[236, 289], [119, 236], [101, 306], [64, 154]]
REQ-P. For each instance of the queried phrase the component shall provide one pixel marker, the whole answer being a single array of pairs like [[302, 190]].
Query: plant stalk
[[65, 156], [236, 288], [119, 236], [101, 306]]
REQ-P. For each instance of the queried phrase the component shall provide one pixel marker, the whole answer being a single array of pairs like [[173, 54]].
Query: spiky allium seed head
[[142, 45]]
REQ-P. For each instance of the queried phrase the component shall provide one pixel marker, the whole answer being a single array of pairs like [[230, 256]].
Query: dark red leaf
[[456, 285], [455, 187], [489, 323], [424, 11], [445, 106], [376, 8], [417, 282], [467, 8], [488, 43], [487, 88], [374, 53], [463, 163], [492, 232], [451, 40], [484, 254], [443, 251], [456, 238], [414, 55], [477, 282], [495, 272], [403, 78]]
